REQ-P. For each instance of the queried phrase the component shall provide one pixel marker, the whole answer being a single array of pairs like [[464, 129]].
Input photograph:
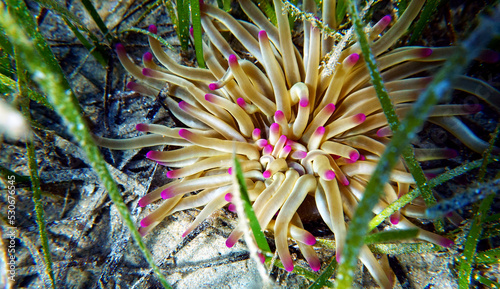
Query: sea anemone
[[299, 128]]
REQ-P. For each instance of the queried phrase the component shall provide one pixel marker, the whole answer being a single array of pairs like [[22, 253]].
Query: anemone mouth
[[297, 128]]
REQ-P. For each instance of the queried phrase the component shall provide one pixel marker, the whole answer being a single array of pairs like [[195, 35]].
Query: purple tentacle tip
[[153, 29], [147, 72], [148, 56], [232, 59], [426, 52], [167, 193], [131, 85], [142, 127], [387, 19], [145, 222], [142, 203], [213, 86], [394, 218], [315, 265], [447, 243]]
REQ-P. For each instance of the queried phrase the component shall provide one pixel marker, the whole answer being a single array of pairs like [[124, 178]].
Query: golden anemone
[[298, 128]]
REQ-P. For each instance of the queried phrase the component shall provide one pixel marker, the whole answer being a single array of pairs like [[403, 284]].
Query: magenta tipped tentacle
[[153, 29], [142, 127], [143, 203], [262, 258], [241, 102], [329, 175], [319, 120], [384, 131], [385, 21], [279, 145], [394, 218], [304, 185], [172, 174], [315, 264], [148, 72], [167, 193], [261, 143], [310, 240], [354, 155], [283, 154], [132, 85], [447, 243], [302, 235], [145, 222], [256, 134], [425, 52], [268, 149], [316, 138], [279, 117], [148, 56]]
